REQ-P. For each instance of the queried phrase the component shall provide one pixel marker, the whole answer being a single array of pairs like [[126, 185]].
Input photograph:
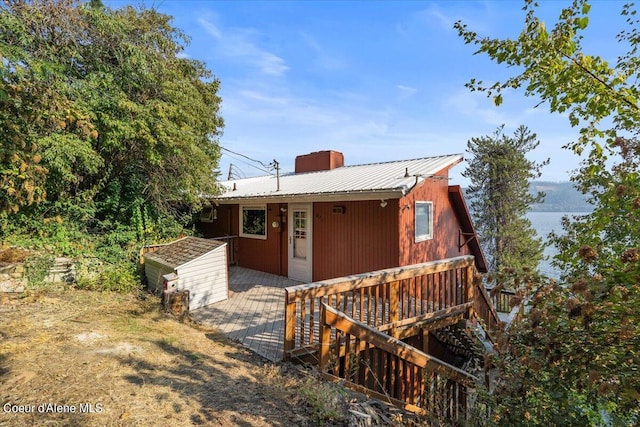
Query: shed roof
[[387, 180], [182, 251]]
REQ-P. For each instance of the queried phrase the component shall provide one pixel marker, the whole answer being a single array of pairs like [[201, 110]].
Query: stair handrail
[[362, 339], [489, 315], [333, 317]]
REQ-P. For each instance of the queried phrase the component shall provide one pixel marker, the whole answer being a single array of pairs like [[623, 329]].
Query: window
[[300, 234], [424, 221], [253, 222]]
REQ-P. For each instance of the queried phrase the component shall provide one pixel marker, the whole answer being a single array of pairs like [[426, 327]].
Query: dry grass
[[10, 255], [136, 367]]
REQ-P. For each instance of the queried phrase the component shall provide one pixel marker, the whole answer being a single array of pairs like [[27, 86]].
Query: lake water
[[544, 223]]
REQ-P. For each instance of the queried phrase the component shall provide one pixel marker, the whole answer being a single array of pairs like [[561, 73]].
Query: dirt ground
[[80, 358]]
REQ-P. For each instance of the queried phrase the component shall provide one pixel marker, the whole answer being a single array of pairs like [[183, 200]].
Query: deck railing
[[378, 299], [484, 309], [377, 364], [145, 250], [501, 299], [232, 248]]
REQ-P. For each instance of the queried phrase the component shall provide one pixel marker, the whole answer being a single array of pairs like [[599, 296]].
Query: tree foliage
[[108, 132], [101, 110], [499, 198], [574, 359]]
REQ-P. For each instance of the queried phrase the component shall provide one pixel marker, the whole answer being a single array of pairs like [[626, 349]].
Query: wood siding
[[268, 255], [206, 278], [225, 225], [446, 227], [352, 237], [363, 238]]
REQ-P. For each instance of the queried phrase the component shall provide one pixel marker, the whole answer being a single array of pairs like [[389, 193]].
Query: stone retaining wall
[[12, 277]]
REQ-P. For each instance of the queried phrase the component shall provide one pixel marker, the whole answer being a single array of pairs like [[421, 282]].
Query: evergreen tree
[[499, 196]]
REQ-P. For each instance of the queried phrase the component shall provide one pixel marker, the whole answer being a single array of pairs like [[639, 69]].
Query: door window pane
[[300, 234]]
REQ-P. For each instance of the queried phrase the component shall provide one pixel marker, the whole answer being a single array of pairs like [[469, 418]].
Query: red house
[[328, 220]]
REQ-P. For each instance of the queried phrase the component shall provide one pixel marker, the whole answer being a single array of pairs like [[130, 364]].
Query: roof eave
[[341, 196]]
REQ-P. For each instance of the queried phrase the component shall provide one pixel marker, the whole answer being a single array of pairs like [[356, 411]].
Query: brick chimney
[[319, 161]]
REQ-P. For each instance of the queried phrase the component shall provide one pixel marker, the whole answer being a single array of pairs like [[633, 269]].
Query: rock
[[373, 412], [12, 285], [359, 419]]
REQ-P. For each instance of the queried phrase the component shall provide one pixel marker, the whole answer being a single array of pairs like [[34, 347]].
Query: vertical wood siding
[[266, 255], [444, 243], [363, 238], [225, 225]]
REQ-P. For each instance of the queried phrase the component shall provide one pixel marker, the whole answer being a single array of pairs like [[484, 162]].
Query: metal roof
[[182, 251], [387, 180]]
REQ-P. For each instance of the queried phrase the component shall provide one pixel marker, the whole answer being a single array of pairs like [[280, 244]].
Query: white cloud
[[406, 91], [264, 124], [240, 44], [322, 58], [268, 100], [466, 103], [210, 28], [477, 15], [434, 12]]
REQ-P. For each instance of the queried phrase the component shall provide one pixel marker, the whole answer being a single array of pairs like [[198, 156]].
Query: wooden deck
[[254, 313], [352, 328]]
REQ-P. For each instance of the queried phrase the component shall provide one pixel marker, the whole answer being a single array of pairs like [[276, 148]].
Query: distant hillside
[[560, 197]]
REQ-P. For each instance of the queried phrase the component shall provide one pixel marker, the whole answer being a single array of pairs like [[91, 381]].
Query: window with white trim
[[253, 222], [424, 221]]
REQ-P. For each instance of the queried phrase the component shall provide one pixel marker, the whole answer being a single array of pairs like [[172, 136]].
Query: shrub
[[118, 278], [327, 400], [37, 268]]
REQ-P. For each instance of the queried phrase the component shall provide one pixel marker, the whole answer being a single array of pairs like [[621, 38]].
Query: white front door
[[300, 242]]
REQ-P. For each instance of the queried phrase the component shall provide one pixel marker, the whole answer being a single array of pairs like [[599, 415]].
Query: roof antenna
[[235, 172]]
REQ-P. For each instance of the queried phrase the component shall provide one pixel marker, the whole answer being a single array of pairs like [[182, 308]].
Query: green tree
[[574, 359], [499, 196], [111, 116], [32, 106]]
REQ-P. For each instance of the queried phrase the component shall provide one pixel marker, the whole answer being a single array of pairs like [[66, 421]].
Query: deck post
[[470, 290], [394, 305], [325, 339], [289, 325]]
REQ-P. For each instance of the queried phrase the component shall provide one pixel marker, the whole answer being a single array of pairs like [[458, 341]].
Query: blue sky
[[375, 80]]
